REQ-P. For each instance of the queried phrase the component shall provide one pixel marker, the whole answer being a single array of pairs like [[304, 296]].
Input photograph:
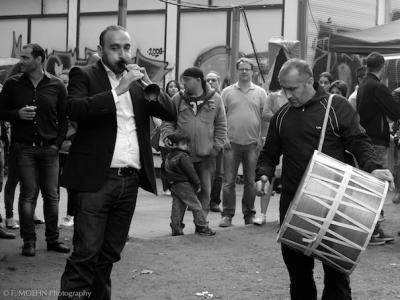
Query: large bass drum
[[334, 212]]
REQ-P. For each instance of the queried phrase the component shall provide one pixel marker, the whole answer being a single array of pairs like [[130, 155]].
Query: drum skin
[[334, 212]]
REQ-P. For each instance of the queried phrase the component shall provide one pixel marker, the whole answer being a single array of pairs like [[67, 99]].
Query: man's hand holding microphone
[[133, 73]]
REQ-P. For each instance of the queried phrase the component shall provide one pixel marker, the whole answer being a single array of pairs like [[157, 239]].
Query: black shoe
[[204, 230], [6, 235], [249, 220], [215, 208], [177, 229], [57, 247], [28, 249]]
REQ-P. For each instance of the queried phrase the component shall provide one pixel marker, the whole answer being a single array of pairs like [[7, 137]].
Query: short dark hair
[[107, 29], [178, 136], [340, 85], [327, 75], [295, 63], [37, 50], [375, 62], [244, 60]]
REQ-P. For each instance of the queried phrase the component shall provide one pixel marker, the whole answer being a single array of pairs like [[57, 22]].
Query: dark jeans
[[205, 169], [302, 284], [247, 155], [101, 225], [38, 168], [164, 152], [184, 195], [215, 197]]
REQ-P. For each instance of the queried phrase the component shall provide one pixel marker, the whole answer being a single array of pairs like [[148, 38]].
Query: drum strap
[[322, 137]]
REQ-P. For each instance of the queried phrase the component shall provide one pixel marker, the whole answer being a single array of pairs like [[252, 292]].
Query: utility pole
[[122, 11], [234, 43]]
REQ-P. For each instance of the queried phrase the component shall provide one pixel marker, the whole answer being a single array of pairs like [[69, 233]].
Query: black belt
[[37, 143], [123, 172], [41, 143]]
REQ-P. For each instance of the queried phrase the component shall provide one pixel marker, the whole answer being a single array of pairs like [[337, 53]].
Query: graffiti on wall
[[60, 62]]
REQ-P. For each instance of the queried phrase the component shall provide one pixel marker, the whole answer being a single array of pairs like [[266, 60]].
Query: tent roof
[[384, 39]]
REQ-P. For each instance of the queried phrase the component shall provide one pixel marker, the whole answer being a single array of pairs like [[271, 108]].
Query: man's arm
[[220, 125], [6, 112], [270, 154], [388, 105], [82, 105], [354, 136], [61, 116], [187, 167], [163, 108], [168, 127]]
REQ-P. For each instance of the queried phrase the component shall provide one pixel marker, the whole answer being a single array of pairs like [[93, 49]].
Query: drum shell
[[333, 213]]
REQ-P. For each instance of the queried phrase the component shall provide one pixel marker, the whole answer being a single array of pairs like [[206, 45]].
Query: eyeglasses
[[211, 80], [244, 70]]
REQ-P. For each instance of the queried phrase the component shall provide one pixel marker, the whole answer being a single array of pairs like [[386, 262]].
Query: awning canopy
[[384, 39]]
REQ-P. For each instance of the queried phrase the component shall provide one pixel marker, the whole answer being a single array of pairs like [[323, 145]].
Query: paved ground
[[242, 262], [152, 215]]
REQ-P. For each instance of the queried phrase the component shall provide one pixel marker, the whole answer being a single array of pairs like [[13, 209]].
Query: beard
[[115, 66]]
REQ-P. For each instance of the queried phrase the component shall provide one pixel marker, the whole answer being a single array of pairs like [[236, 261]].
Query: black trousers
[[302, 284], [101, 225], [301, 271]]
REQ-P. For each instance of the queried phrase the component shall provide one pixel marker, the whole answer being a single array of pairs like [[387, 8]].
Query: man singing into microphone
[[110, 158]]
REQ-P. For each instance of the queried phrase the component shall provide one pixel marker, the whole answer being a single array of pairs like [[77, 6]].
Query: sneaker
[[167, 193], [261, 219], [204, 230], [376, 241], [68, 221], [383, 236], [225, 222]]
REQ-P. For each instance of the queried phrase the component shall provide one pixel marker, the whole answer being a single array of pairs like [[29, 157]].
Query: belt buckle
[[120, 172]]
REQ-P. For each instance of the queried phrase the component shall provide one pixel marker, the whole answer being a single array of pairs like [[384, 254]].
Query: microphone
[[151, 91]]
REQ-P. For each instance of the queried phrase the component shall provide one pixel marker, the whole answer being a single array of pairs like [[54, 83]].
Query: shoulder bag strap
[[322, 137]]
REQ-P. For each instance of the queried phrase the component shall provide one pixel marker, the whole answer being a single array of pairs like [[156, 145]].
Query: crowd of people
[[94, 140]]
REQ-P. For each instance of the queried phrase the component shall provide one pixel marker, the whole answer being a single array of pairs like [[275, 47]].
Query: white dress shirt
[[126, 151]]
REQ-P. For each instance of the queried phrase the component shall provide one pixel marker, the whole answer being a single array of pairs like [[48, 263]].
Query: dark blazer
[[91, 105]]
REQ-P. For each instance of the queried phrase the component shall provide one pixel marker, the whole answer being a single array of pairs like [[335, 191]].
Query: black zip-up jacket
[[179, 168], [295, 132], [374, 104]]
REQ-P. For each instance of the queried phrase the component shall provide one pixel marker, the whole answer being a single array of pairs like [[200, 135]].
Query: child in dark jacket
[[184, 184]]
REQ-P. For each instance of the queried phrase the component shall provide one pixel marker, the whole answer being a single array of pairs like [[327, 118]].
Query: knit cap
[[193, 72]]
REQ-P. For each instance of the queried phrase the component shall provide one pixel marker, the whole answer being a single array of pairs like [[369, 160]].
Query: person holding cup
[[34, 102]]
